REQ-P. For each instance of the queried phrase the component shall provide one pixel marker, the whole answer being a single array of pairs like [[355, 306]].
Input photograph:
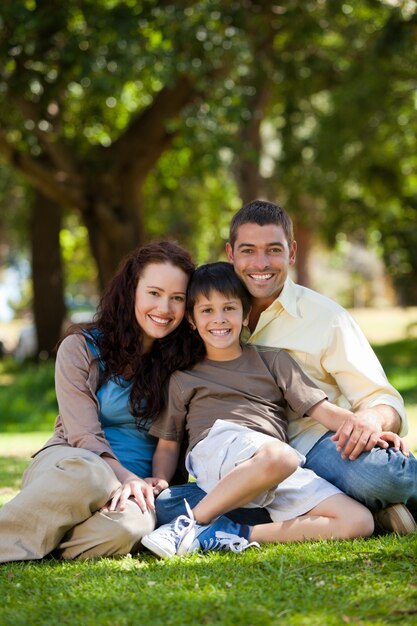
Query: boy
[[243, 458]]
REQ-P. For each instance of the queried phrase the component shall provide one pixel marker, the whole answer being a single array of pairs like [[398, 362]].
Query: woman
[[83, 494]]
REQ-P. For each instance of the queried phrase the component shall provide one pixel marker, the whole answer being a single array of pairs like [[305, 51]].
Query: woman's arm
[[76, 381]]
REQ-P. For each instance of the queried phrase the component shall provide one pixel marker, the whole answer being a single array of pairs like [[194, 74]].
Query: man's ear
[[229, 252], [293, 252]]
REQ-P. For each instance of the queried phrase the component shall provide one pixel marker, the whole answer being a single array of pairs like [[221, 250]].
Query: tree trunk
[[304, 226], [303, 237], [115, 220], [248, 177], [47, 275]]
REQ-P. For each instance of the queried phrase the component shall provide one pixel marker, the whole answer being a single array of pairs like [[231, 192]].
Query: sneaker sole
[[396, 518], [156, 548]]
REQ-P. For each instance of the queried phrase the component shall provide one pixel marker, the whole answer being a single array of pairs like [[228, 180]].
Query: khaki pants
[[58, 510]]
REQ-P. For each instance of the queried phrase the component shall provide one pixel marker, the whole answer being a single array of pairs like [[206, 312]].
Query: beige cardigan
[[76, 382]]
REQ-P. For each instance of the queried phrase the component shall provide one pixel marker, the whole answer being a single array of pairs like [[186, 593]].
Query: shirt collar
[[287, 299]]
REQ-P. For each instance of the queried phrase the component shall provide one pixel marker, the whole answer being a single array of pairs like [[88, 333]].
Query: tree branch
[[56, 150], [146, 137], [48, 181]]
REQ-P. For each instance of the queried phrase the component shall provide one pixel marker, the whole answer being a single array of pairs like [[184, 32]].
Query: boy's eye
[[208, 310], [229, 308]]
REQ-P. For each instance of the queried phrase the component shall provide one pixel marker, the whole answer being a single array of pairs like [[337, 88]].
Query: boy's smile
[[219, 320]]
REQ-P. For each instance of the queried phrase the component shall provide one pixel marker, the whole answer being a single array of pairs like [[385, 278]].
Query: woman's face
[[160, 301]]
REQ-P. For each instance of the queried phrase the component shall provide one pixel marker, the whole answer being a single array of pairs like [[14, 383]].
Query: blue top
[[133, 446]]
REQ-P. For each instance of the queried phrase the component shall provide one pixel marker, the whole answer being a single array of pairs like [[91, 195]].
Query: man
[[324, 339]]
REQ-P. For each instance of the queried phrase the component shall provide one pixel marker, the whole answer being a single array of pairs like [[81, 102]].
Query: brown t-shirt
[[252, 390]]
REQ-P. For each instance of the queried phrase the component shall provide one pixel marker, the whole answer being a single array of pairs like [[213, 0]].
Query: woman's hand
[[132, 488], [157, 484]]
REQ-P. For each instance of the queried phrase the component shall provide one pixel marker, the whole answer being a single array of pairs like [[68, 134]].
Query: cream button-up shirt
[[332, 350]]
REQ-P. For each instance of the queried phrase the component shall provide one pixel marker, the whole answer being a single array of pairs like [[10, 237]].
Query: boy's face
[[218, 320]]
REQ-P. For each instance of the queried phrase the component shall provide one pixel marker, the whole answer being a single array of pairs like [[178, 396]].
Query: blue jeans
[[377, 478], [170, 504]]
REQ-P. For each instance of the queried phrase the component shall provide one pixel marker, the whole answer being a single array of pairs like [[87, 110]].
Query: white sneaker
[[184, 536], [173, 538]]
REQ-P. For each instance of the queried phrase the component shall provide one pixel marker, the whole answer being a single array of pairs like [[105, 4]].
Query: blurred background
[[123, 121]]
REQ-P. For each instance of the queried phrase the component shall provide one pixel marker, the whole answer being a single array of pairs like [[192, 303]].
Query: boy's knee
[[359, 523], [279, 458]]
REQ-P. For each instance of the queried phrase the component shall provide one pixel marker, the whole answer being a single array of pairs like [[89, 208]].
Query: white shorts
[[228, 444]]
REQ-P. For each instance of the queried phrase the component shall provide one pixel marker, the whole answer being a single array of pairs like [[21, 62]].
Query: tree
[[95, 88]]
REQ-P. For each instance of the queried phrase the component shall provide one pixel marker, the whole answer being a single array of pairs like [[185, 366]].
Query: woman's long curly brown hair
[[119, 338]]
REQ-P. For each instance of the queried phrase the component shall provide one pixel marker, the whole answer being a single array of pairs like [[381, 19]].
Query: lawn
[[361, 582]]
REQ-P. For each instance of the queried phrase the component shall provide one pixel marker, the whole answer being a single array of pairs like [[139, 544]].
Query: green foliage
[[191, 202], [27, 397], [80, 270], [400, 364], [339, 125]]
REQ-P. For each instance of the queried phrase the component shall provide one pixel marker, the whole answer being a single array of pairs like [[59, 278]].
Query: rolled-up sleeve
[[358, 373]]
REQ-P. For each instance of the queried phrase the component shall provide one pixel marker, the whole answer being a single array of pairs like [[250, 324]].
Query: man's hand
[[361, 432]]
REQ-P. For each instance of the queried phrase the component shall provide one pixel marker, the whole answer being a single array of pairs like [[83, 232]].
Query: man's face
[[261, 257]]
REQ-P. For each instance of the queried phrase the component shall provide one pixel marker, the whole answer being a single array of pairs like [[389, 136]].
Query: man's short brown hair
[[262, 213]]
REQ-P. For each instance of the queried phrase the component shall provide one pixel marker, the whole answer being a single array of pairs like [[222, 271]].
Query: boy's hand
[[157, 484]]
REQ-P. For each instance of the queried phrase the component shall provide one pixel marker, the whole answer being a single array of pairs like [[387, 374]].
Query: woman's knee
[[89, 476], [132, 525]]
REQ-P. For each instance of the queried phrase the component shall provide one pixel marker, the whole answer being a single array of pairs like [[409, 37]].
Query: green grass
[[362, 582]]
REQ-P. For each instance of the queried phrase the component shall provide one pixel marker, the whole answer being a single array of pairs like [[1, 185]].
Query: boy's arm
[[363, 436], [164, 464]]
